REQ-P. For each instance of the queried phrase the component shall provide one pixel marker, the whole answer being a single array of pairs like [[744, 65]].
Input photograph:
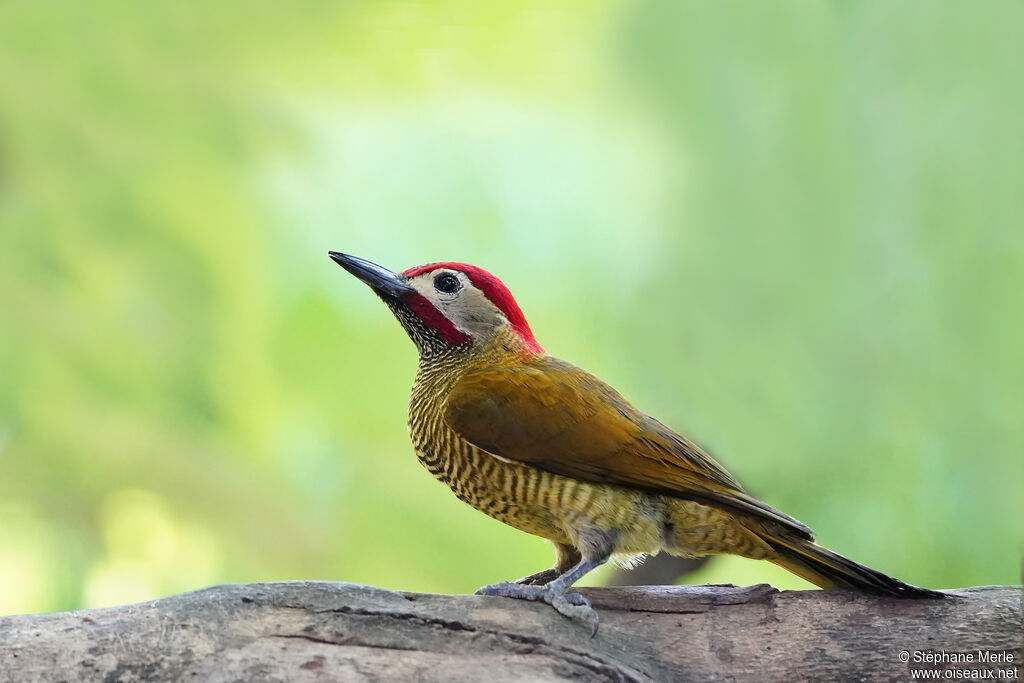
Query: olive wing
[[554, 416]]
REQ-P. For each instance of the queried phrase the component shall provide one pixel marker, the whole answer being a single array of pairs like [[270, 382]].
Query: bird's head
[[447, 306]]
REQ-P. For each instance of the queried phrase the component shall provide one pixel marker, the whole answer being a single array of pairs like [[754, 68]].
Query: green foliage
[[791, 230]]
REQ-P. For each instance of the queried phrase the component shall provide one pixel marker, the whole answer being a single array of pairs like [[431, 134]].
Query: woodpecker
[[550, 449]]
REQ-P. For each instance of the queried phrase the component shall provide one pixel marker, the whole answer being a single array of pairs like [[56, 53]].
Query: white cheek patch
[[472, 313], [468, 309]]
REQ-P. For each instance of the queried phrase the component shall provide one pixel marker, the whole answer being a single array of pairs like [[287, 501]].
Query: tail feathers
[[827, 569]]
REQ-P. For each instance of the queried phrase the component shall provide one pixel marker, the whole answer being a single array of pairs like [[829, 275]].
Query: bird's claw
[[572, 605], [577, 608], [507, 589]]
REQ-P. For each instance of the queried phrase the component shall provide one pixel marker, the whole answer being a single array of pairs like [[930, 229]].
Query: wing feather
[[554, 416]]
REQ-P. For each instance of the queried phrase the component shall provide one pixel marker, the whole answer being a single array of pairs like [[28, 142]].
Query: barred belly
[[541, 503], [560, 509]]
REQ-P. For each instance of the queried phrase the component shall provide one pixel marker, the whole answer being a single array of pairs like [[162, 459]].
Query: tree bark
[[315, 631]]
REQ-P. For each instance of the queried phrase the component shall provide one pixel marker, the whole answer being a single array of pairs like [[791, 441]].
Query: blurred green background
[[791, 230]]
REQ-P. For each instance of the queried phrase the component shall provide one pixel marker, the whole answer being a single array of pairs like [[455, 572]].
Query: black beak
[[381, 280]]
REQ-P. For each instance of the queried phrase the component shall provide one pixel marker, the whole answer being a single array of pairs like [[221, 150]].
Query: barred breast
[[531, 500]]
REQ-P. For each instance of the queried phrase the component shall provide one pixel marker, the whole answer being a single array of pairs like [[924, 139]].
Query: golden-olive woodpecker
[[548, 448]]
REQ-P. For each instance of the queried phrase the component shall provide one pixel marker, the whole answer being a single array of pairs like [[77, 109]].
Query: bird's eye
[[447, 283]]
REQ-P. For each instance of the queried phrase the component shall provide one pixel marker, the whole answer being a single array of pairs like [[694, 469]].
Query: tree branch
[[335, 631]]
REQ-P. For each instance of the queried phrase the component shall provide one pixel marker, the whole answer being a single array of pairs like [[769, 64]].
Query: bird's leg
[[541, 578], [555, 593], [567, 558]]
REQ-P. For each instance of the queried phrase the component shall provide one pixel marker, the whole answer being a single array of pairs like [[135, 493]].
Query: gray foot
[[572, 605]]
